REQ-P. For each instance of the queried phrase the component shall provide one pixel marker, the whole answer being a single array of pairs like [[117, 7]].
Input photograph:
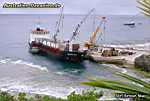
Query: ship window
[[56, 45], [38, 29], [48, 43], [53, 45], [44, 42]]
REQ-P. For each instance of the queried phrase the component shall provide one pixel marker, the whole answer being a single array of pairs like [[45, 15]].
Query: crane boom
[[93, 37], [92, 42], [58, 24], [76, 31]]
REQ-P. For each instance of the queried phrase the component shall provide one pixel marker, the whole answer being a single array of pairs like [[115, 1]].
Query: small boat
[[131, 23]]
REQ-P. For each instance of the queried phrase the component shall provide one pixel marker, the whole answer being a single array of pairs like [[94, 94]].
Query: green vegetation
[[145, 7], [89, 95], [134, 87], [142, 72]]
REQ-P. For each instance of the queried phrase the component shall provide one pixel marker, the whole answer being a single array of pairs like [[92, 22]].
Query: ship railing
[[50, 43]]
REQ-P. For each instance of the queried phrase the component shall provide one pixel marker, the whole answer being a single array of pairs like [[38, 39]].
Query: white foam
[[30, 64], [144, 46], [4, 89], [52, 91], [19, 88], [4, 61], [16, 62], [60, 73]]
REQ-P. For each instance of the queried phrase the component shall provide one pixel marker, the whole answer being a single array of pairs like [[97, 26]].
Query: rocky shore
[[143, 62]]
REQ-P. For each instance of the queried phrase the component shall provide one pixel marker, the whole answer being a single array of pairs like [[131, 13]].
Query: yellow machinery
[[91, 44], [92, 41]]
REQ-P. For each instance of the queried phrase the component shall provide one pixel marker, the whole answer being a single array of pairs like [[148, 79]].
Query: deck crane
[[77, 31], [58, 24], [92, 42]]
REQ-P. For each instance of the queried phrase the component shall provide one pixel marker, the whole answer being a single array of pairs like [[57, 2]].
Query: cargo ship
[[40, 41], [68, 50]]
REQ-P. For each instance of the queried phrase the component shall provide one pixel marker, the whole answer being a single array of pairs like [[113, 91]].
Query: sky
[[106, 7]]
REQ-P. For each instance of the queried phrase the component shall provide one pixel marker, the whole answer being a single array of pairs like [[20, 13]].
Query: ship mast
[[58, 24]]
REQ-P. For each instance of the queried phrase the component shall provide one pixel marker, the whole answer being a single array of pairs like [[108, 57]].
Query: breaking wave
[[52, 91], [144, 46], [4, 61]]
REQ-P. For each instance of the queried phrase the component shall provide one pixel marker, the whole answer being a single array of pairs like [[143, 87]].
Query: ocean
[[23, 71]]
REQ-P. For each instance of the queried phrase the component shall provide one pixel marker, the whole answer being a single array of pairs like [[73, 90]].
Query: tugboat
[[40, 41]]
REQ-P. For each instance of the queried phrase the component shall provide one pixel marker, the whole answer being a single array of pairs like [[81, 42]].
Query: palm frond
[[138, 87], [120, 86], [133, 79], [145, 6]]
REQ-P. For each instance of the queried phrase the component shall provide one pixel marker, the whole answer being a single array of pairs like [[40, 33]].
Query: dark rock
[[143, 62]]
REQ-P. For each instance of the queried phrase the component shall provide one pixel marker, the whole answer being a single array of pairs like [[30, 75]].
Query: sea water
[[22, 71]]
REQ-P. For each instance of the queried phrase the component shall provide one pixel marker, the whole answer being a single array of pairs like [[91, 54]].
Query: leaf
[[144, 6], [131, 78], [143, 88]]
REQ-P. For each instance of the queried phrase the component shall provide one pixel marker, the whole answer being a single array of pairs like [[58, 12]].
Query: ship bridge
[[39, 33]]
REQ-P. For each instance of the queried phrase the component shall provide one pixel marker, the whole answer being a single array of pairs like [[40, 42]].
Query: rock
[[143, 62]]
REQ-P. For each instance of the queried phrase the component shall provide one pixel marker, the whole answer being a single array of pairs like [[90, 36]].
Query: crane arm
[[76, 31], [93, 37], [92, 40], [58, 23]]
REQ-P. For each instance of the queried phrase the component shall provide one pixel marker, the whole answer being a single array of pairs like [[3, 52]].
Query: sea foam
[[43, 68], [30, 64]]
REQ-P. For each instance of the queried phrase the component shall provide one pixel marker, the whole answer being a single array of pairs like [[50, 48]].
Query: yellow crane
[[92, 42]]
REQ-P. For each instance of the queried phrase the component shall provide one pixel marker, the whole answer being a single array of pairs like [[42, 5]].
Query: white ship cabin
[[39, 33]]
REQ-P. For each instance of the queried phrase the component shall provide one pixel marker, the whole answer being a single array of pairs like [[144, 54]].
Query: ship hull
[[71, 56], [34, 50]]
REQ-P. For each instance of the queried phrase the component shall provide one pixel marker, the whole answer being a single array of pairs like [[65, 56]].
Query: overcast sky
[[108, 7]]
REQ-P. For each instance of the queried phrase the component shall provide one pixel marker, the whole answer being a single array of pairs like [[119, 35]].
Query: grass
[[89, 95]]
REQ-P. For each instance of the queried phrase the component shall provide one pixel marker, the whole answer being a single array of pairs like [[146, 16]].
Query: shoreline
[[130, 66], [126, 59]]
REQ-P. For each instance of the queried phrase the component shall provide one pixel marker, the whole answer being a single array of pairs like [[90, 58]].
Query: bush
[[89, 95], [4, 96]]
